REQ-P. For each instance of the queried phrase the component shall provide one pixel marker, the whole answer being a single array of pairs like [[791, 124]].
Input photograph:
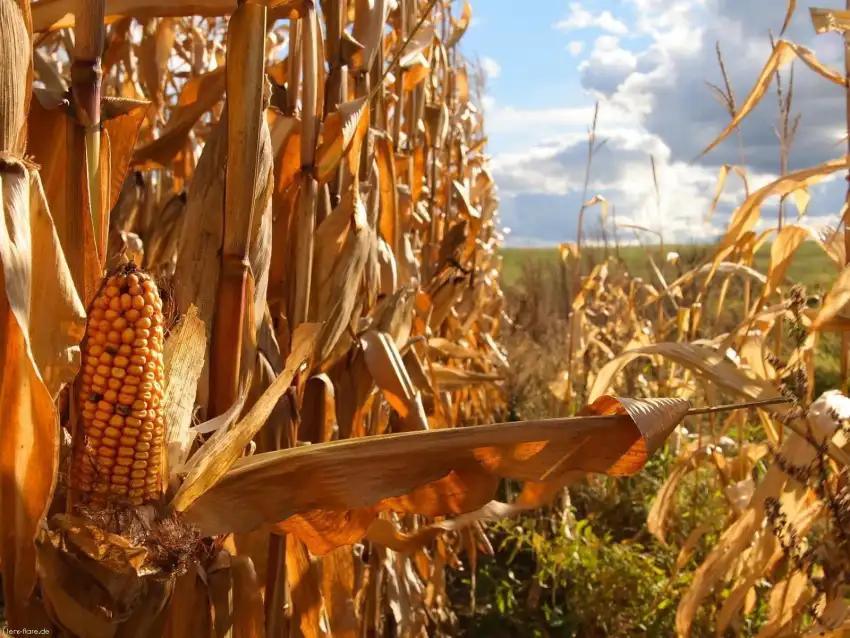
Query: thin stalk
[[399, 83], [86, 76], [758, 403], [591, 149], [309, 188], [727, 98], [657, 190], [294, 71], [245, 80], [336, 88]]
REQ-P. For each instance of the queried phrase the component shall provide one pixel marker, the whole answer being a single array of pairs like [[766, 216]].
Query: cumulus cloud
[[667, 83], [608, 65], [581, 18], [651, 81], [575, 47]]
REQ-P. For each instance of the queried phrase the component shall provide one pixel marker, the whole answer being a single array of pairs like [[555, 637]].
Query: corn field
[[257, 366], [251, 322], [775, 562]]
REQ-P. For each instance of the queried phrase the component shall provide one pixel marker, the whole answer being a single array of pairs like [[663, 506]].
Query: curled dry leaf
[[342, 135], [387, 368]]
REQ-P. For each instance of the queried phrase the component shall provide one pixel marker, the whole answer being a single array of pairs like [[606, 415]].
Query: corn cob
[[119, 439]]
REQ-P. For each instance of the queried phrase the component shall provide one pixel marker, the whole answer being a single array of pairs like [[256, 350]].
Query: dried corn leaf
[[721, 183], [385, 364], [825, 20], [302, 575], [835, 301], [338, 589], [59, 14], [29, 454], [782, 251], [161, 151], [460, 26], [15, 78], [223, 449], [372, 471], [783, 52], [342, 135]]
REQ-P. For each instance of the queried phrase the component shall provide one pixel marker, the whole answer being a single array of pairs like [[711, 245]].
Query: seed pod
[[118, 444]]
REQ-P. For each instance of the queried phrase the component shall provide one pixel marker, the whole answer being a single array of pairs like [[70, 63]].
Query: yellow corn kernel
[[117, 453]]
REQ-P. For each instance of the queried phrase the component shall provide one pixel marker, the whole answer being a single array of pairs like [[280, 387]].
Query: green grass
[[810, 265]]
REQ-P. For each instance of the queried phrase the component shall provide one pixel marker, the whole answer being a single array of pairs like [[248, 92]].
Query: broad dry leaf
[[160, 152], [366, 472], [738, 536], [344, 246], [449, 378], [122, 120], [58, 148], [154, 52], [786, 601], [417, 44], [56, 316], [29, 431]]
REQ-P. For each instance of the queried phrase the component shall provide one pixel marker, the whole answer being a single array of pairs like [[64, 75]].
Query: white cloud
[[650, 79], [609, 64], [575, 47], [518, 130], [581, 18], [490, 67]]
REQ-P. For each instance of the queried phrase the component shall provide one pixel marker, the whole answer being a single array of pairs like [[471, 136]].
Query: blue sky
[[536, 64], [647, 62]]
